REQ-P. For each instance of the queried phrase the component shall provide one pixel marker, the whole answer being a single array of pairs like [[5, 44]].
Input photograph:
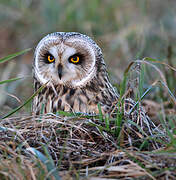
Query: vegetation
[[138, 40]]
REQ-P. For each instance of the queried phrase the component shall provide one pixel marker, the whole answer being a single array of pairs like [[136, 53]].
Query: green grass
[[124, 30], [11, 56], [7, 59], [115, 127], [25, 103], [9, 80], [47, 160]]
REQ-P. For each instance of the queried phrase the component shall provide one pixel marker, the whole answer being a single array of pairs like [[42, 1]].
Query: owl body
[[73, 68]]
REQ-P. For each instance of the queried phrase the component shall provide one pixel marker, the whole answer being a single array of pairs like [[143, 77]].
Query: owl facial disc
[[62, 58]]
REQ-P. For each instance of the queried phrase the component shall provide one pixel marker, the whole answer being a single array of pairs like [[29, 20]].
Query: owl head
[[71, 59]]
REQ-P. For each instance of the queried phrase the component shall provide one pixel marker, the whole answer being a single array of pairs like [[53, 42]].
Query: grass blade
[[100, 112], [170, 93], [143, 95], [141, 80], [26, 102], [123, 83], [10, 80], [68, 114], [11, 56], [47, 161], [159, 62], [118, 122], [120, 104], [107, 122]]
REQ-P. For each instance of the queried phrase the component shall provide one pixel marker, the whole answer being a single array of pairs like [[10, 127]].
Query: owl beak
[[60, 71]]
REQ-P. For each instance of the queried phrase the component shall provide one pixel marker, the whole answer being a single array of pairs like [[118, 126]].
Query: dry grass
[[81, 148], [87, 147]]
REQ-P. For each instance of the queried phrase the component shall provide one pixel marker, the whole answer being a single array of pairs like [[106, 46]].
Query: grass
[[25, 103], [11, 56], [83, 146], [69, 145]]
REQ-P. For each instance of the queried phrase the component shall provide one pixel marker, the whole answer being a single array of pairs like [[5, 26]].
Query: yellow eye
[[51, 58], [75, 59]]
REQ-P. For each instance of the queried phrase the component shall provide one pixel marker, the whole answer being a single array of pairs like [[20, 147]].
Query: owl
[[73, 68]]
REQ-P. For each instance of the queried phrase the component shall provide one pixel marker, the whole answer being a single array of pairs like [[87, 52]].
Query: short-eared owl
[[73, 66]]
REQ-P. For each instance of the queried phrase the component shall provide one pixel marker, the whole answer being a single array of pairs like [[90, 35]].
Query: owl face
[[66, 58]]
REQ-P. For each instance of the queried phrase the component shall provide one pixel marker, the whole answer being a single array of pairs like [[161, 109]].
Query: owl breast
[[85, 99]]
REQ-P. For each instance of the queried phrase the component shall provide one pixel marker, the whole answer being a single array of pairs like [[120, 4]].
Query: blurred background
[[125, 30]]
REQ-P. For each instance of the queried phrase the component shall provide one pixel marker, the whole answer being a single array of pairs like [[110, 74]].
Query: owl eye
[[74, 59], [50, 58]]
